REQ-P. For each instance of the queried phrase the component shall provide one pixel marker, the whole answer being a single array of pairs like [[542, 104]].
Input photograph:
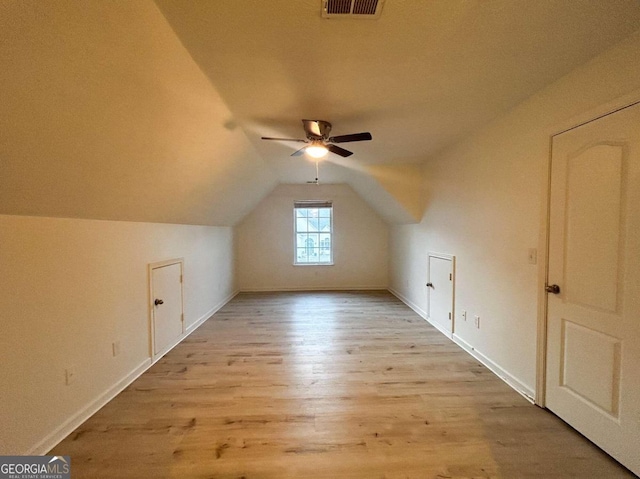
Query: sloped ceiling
[[153, 111], [105, 115], [423, 76]]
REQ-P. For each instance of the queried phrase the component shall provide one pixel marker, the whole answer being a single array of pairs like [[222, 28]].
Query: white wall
[[264, 243], [486, 204], [68, 289]]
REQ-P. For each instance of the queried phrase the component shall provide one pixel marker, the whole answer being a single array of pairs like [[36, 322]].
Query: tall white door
[[440, 292], [593, 322], [166, 299]]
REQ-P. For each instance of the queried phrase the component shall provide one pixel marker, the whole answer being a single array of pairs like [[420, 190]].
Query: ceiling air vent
[[352, 8]]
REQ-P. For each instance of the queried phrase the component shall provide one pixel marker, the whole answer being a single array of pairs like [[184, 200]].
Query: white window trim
[[311, 204]]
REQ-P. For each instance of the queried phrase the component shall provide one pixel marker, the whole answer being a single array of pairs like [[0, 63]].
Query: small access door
[[593, 315], [167, 319], [440, 291]]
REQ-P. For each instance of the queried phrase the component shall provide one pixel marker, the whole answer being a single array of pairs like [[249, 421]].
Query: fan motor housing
[[322, 129]]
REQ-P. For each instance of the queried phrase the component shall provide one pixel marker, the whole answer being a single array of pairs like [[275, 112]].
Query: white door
[[593, 322], [166, 301], [440, 292]]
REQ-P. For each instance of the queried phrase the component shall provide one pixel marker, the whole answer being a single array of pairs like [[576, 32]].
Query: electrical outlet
[[69, 376], [532, 256], [477, 321], [464, 315], [115, 348]]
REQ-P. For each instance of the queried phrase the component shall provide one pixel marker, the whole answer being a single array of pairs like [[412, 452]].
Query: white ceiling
[[423, 76], [146, 111]]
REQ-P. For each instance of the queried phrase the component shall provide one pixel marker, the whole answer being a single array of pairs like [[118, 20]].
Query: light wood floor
[[325, 385]]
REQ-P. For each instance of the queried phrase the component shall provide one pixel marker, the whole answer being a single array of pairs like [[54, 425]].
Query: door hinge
[[182, 317], [449, 316], [181, 278], [450, 277]]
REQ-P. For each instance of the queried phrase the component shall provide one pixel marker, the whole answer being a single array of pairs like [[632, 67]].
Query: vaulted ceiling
[[154, 111]]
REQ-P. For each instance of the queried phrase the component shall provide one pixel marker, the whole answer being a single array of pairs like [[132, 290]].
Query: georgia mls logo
[[35, 467], [59, 458]]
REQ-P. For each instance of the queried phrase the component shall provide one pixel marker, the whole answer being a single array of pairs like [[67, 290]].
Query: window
[[313, 232]]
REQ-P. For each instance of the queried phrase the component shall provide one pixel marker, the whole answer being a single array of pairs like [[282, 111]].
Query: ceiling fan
[[319, 142]]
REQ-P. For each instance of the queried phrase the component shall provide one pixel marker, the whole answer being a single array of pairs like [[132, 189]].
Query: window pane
[[301, 212], [312, 224], [301, 224], [311, 245], [324, 224], [301, 241], [324, 212], [301, 255]]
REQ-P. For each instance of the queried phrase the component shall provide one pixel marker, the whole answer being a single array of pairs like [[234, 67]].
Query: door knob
[[552, 288], [158, 301], [430, 285]]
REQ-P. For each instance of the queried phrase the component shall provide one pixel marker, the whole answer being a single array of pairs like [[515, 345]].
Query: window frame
[[312, 204]]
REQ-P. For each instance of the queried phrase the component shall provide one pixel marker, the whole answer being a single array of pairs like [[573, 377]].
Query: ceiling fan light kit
[[319, 142], [316, 151]]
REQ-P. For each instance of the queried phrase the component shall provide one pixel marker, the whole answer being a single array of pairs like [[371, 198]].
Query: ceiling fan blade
[[299, 152], [364, 136], [339, 151], [283, 139]]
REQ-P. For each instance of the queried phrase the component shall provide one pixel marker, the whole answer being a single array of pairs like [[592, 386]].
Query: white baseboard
[[421, 312], [512, 381], [52, 439], [496, 369], [314, 288]]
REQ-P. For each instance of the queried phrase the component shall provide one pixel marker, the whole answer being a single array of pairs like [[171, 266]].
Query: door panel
[[593, 324], [591, 366], [440, 292], [592, 239], [167, 317]]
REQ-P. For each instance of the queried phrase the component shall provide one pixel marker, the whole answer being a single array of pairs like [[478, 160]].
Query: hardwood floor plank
[[325, 385]]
